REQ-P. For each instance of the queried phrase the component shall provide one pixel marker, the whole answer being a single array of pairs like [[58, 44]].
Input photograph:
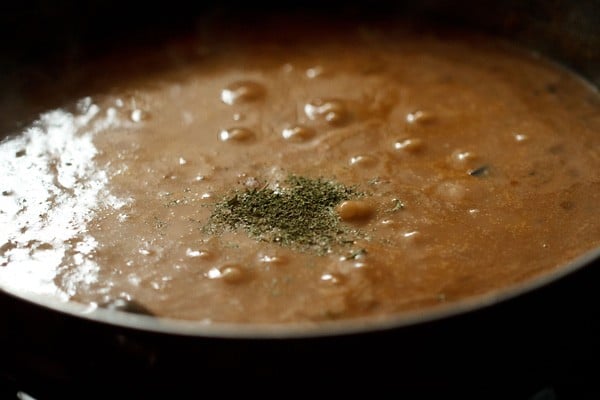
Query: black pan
[[538, 340]]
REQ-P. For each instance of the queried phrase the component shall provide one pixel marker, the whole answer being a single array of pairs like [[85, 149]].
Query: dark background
[[540, 346]]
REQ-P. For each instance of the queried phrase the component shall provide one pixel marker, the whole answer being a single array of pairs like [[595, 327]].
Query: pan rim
[[304, 330]]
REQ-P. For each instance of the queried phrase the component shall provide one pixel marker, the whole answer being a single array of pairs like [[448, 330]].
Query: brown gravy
[[479, 163]]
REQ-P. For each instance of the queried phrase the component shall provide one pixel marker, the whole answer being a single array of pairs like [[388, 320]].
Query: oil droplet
[[332, 111], [236, 134], [298, 133], [242, 92]]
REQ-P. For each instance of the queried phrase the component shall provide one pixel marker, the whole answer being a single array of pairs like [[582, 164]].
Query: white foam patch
[[51, 187]]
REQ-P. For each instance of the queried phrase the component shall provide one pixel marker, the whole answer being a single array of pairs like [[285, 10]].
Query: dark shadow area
[[44, 43]]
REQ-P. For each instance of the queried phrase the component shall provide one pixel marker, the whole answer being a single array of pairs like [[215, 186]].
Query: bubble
[[236, 134], [361, 265], [355, 210], [228, 273], [466, 160], [332, 111], [298, 133], [419, 117], [315, 72], [363, 161], [203, 254], [134, 279], [242, 92], [138, 115], [332, 278], [520, 137], [409, 145], [272, 259], [462, 156]]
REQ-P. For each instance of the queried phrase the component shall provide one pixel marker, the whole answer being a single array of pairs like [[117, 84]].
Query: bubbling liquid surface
[[477, 165]]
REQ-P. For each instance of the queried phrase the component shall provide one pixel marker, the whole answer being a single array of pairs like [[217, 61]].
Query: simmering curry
[[303, 176]]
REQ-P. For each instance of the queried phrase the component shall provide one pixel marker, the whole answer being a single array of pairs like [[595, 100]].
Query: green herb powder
[[300, 213]]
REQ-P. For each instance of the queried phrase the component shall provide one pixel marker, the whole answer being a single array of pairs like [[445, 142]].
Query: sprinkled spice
[[300, 214], [398, 205]]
